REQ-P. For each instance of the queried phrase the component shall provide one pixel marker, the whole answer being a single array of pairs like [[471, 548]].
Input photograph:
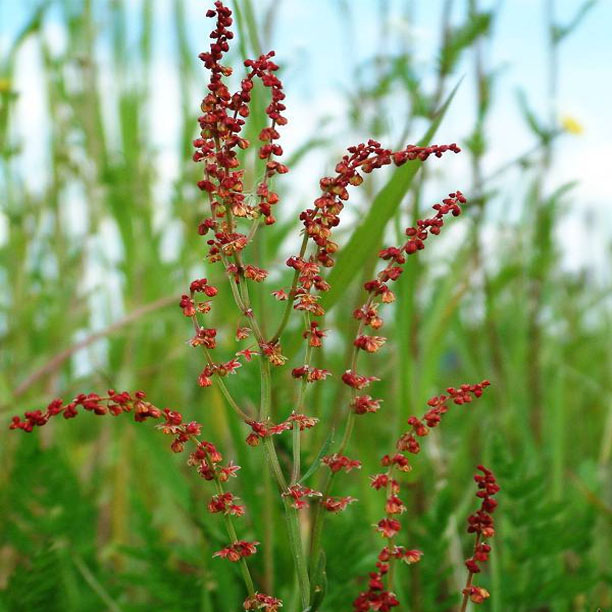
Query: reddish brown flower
[[297, 492], [314, 334], [362, 404], [260, 601], [356, 381], [188, 306], [255, 273], [481, 523], [476, 594], [224, 502], [370, 344], [337, 504], [302, 421], [338, 462], [238, 550], [388, 527]]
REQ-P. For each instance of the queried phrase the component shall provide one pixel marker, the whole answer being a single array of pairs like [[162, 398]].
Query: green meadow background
[[98, 239]]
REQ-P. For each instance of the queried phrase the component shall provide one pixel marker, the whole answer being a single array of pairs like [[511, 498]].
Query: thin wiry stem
[[295, 474], [468, 582], [319, 519], [231, 531]]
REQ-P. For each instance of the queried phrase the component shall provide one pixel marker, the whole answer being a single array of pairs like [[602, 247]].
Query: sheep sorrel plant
[[234, 216]]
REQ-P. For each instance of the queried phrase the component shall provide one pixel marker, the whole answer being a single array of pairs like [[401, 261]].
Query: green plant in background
[[153, 545]]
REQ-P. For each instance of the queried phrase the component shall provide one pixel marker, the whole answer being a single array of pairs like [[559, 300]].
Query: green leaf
[[367, 235], [461, 38], [537, 127], [560, 32]]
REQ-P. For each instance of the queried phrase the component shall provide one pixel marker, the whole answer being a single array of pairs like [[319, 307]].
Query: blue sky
[[319, 43]]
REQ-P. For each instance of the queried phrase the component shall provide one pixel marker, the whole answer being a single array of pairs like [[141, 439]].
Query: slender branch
[[468, 583], [295, 474], [231, 530], [56, 361], [95, 585], [318, 520], [291, 298], [228, 396]]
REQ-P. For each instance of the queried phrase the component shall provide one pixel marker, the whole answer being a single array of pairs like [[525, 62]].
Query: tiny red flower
[[476, 594], [337, 504], [260, 601], [363, 404], [302, 421], [338, 462], [238, 550], [356, 381], [298, 491], [370, 344], [188, 306], [388, 527]]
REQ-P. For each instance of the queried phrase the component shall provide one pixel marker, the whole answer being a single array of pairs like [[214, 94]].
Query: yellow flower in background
[[571, 125], [5, 85]]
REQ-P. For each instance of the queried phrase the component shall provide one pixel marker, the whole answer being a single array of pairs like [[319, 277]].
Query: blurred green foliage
[[100, 515]]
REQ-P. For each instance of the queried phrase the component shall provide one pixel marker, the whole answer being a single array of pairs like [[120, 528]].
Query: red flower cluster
[[438, 407], [320, 220], [378, 288], [238, 550], [113, 403], [362, 404], [297, 492], [380, 596], [260, 601], [224, 502], [337, 504], [417, 235], [220, 369], [310, 374], [221, 123], [206, 458], [314, 335], [481, 523], [261, 430], [338, 462], [395, 256], [358, 382]]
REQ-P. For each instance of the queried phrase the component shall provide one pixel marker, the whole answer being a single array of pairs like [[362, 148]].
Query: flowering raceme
[[230, 220]]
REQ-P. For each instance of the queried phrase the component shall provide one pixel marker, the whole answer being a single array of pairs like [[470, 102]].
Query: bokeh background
[[98, 208]]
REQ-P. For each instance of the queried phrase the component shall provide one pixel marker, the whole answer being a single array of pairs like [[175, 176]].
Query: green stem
[[295, 542], [468, 583], [390, 541], [226, 393], [319, 518], [295, 473], [293, 526], [291, 516], [242, 299], [291, 297], [231, 530]]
